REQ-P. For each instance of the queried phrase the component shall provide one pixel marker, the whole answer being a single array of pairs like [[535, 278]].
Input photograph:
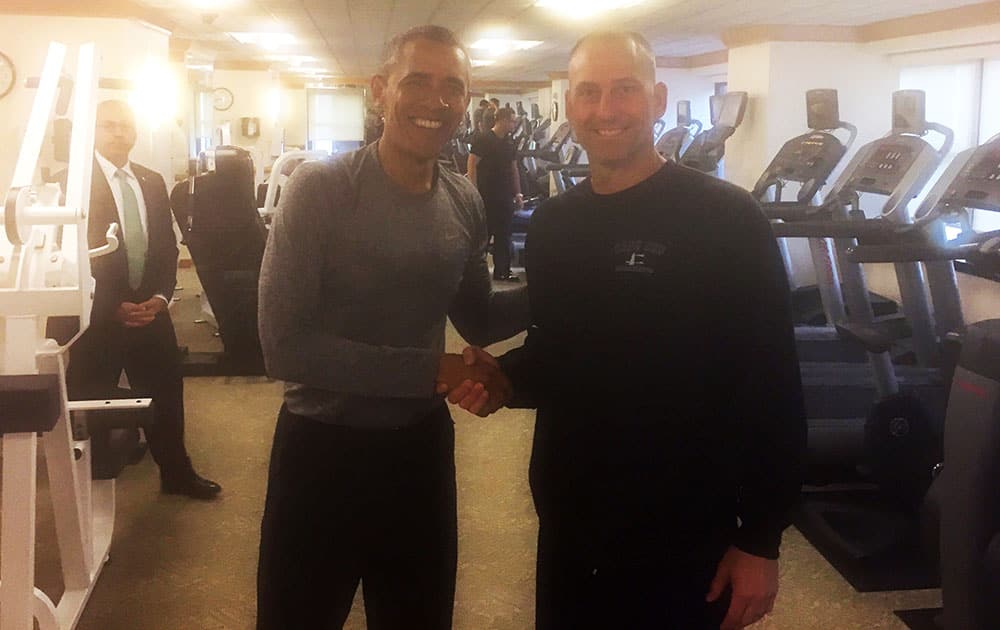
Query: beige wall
[[776, 76], [750, 71], [126, 49], [687, 85], [257, 94]]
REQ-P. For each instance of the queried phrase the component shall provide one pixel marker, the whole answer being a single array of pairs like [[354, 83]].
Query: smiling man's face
[[613, 99], [423, 97]]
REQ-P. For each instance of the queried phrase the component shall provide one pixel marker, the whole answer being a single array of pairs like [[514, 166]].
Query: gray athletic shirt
[[357, 278]]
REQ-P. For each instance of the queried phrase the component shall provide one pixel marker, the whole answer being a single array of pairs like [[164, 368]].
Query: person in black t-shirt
[[670, 432], [493, 169], [477, 117], [490, 114]]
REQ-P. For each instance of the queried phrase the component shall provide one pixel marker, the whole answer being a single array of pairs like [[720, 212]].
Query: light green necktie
[[135, 237]]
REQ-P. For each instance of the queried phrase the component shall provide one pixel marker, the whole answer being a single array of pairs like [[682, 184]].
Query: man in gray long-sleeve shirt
[[367, 255]]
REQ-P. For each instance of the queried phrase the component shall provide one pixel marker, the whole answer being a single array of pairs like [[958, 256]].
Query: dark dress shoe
[[507, 278], [191, 485]]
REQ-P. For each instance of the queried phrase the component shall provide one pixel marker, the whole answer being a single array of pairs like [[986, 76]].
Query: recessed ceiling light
[[265, 40], [496, 46]]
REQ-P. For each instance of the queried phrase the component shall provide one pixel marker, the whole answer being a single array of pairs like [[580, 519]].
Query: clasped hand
[[474, 381], [137, 315]]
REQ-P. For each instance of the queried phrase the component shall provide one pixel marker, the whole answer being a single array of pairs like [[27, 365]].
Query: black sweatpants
[[499, 217], [347, 505], [574, 594]]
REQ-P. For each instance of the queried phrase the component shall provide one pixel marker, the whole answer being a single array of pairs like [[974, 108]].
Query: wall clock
[[8, 76], [222, 99]]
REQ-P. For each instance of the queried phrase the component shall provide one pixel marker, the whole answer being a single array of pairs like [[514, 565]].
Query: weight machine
[[45, 272]]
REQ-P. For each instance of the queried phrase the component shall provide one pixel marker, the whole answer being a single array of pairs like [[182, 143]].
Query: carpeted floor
[[184, 565]]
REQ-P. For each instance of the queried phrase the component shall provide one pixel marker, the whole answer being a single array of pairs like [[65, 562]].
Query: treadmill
[[963, 495], [674, 142], [709, 147], [896, 167], [855, 408], [808, 161], [961, 524]]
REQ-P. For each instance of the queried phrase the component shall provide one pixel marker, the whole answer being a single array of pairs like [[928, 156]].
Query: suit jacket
[[111, 271]]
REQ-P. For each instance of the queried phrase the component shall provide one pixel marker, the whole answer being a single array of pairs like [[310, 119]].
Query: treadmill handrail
[[949, 137], [842, 229], [854, 135], [985, 243], [795, 211]]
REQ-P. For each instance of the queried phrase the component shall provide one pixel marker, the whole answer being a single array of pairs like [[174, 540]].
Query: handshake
[[474, 381]]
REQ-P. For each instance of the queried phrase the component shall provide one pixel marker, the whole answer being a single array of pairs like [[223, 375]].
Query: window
[[989, 126], [961, 96], [953, 97], [336, 118], [989, 113], [201, 130]]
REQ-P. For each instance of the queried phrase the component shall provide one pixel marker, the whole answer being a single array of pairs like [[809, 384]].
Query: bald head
[[115, 134], [114, 107], [627, 43], [612, 102]]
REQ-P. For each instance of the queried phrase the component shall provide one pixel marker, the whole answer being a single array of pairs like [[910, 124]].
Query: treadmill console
[[809, 156], [672, 142], [978, 184], [887, 165]]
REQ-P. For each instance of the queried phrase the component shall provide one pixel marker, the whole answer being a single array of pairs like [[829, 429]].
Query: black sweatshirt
[[661, 360]]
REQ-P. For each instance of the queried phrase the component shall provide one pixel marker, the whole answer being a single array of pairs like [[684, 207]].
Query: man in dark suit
[[130, 327]]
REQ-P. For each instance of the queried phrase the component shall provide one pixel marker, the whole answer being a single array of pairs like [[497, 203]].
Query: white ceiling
[[347, 36]]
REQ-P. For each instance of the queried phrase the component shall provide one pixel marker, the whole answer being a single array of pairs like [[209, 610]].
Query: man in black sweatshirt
[[670, 430]]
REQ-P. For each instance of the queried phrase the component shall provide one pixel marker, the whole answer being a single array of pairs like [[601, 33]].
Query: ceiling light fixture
[[270, 41], [582, 9], [213, 5], [292, 60], [496, 46]]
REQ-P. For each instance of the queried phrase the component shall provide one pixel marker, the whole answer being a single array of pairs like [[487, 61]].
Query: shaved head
[[633, 42], [612, 103], [115, 132]]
